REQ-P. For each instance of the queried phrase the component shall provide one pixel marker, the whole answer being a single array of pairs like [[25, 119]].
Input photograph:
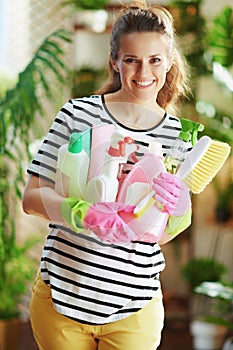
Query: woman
[[90, 294]]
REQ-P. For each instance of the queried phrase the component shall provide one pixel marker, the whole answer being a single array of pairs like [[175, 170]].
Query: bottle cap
[[75, 144]]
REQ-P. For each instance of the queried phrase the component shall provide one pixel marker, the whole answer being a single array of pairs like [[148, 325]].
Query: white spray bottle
[[72, 168]]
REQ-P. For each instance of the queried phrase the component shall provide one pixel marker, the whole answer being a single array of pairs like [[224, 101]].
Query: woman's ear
[[114, 64], [169, 63]]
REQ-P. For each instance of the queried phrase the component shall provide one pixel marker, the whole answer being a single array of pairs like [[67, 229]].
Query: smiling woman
[[148, 42], [92, 291], [142, 63]]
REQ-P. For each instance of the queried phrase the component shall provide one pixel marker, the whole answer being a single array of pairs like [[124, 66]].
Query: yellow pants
[[53, 331]]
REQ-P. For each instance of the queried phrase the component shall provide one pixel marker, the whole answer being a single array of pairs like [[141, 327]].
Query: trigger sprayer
[[190, 130], [186, 139]]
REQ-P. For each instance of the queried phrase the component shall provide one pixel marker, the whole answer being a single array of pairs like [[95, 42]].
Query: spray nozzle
[[190, 130]]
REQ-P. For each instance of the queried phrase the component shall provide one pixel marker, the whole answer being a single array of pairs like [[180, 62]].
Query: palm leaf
[[22, 103], [221, 38], [19, 108]]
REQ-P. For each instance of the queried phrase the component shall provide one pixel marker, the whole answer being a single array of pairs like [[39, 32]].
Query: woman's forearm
[[175, 226], [39, 198]]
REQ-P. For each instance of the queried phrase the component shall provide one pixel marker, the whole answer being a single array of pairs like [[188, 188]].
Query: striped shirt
[[92, 281]]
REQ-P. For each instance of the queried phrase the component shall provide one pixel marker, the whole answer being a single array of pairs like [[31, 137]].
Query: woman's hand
[[108, 220], [171, 194]]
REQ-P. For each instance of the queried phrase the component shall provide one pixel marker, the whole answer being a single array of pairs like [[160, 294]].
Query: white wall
[[24, 25], [211, 8], [90, 49], [14, 39]]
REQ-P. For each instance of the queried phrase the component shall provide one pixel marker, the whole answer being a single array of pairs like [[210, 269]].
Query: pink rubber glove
[[108, 220], [171, 194]]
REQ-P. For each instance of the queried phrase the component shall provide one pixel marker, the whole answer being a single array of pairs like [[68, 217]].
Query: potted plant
[[198, 270], [210, 328], [195, 272], [19, 107]]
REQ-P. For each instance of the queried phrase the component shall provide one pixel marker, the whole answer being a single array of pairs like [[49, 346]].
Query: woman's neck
[[133, 114]]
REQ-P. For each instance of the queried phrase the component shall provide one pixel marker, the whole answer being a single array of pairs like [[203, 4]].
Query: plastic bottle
[[72, 168], [104, 187], [186, 139]]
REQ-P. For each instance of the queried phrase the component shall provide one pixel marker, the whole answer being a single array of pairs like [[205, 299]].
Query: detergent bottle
[[72, 167], [104, 186]]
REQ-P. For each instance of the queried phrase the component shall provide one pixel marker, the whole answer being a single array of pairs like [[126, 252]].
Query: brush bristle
[[208, 166]]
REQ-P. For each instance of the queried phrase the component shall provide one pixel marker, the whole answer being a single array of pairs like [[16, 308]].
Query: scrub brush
[[197, 170], [203, 163]]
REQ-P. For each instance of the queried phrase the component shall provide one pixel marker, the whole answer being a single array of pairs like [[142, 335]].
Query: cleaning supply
[[155, 148], [176, 155], [190, 129], [100, 141], [72, 167], [109, 221], [104, 186], [186, 139], [171, 194], [198, 169], [136, 186], [203, 163]]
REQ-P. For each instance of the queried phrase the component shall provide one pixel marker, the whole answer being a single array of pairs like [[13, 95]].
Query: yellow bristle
[[208, 166]]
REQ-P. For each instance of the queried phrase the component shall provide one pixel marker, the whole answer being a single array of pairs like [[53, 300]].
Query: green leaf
[[19, 109], [221, 38]]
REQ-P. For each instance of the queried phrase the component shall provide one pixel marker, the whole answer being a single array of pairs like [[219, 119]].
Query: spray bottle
[[72, 167], [186, 139]]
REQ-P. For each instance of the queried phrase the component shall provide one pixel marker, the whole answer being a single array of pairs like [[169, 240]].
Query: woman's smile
[[142, 63], [144, 83]]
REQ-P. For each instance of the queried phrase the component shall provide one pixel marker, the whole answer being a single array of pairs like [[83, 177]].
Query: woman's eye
[[131, 60], [155, 60]]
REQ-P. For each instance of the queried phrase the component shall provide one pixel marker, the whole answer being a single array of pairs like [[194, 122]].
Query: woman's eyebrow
[[135, 56]]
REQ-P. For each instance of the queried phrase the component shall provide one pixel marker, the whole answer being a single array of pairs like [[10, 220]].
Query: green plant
[[220, 38], [87, 80], [87, 4], [198, 270], [219, 300], [192, 30], [19, 108], [205, 270], [208, 47], [219, 60]]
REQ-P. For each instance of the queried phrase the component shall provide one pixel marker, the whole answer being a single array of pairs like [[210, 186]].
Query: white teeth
[[144, 83]]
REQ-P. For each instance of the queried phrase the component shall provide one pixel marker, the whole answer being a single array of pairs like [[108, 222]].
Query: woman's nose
[[143, 69]]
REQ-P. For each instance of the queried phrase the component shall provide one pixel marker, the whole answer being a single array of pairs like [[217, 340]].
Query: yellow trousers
[[53, 331]]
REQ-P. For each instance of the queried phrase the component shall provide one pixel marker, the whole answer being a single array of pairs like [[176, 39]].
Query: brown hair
[[137, 17]]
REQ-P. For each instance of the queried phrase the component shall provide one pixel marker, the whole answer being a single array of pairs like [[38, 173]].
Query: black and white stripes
[[92, 281]]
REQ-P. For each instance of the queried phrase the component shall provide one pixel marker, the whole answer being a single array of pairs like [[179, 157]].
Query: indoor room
[[58, 51]]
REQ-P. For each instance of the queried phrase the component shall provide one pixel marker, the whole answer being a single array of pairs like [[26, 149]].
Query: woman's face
[[142, 63]]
